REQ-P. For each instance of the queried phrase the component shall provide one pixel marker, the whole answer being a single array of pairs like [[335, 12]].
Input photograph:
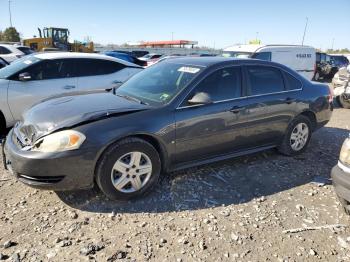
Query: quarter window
[[221, 85], [291, 82], [264, 80], [92, 67]]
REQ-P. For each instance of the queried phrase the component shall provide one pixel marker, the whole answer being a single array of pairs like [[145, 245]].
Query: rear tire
[[297, 136], [343, 102], [128, 169]]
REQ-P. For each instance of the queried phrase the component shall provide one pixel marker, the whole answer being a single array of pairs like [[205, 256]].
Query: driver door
[[48, 78], [205, 131]]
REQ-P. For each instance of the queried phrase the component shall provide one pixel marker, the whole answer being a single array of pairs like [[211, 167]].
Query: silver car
[[33, 78]]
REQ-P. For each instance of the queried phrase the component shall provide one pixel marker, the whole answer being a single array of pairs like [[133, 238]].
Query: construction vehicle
[[56, 39]]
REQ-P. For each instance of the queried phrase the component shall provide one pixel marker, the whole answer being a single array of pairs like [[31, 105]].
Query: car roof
[[65, 55], [205, 61], [13, 46], [209, 61]]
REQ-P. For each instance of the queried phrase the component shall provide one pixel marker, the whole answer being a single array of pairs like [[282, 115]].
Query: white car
[[297, 57], [11, 53], [33, 78]]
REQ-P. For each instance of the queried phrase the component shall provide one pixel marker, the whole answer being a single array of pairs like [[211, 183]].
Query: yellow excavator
[[56, 39]]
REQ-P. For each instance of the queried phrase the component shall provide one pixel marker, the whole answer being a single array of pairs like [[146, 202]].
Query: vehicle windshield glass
[[25, 50], [147, 56], [237, 54], [18, 65], [158, 84]]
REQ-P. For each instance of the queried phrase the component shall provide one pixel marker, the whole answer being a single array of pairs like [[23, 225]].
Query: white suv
[[11, 53], [33, 78]]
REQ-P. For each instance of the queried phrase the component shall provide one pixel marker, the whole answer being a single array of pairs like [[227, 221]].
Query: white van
[[300, 58]]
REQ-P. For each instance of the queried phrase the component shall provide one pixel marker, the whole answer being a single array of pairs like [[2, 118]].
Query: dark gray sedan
[[176, 114]]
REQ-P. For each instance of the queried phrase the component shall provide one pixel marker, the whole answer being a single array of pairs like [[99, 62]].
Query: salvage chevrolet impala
[[176, 114]]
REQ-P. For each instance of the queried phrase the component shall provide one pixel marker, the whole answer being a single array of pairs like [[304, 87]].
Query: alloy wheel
[[131, 172], [299, 136]]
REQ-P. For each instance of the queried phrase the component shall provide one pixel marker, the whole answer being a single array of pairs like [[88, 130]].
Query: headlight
[[345, 153], [60, 141]]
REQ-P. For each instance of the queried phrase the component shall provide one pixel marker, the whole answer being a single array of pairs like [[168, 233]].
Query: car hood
[[69, 111]]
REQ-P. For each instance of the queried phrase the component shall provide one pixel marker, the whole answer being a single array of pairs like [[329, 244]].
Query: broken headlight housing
[[345, 153], [60, 141]]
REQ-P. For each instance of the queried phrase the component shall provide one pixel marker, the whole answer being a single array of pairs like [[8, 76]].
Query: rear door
[[95, 74], [48, 78], [269, 106]]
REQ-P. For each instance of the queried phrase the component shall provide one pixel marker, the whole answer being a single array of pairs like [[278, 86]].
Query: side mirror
[[24, 77], [200, 99]]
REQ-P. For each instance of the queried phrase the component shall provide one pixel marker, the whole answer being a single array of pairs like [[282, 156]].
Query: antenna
[[307, 20]]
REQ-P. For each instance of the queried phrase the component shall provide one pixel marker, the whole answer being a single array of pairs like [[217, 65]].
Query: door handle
[[117, 82], [236, 109], [68, 87], [289, 100]]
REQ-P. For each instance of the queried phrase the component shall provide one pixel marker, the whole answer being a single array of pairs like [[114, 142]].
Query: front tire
[[297, 137], [128, 169]]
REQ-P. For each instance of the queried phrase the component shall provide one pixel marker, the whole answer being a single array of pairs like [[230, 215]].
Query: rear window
[[262, 56], [264, 80]]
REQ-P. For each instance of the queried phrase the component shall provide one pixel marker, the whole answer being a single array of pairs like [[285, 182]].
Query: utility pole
[[172, 36], [10, 13], [332, 43], [307, 21]]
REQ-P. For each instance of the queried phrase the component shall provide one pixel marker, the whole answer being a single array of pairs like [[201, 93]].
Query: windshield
[[158, 84], [237, 54], [17, 66], [25, 50]]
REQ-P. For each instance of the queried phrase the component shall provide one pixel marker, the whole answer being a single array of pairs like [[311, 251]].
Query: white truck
[[299, 58]]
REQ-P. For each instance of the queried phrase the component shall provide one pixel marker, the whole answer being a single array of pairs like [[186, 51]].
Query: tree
[[0, 35], [10, 35]]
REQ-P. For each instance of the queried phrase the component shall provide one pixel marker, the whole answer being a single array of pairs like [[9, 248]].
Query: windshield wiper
[[133, 99]]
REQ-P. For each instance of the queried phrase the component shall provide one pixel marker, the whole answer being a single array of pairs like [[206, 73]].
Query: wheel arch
[[2, 122], [311, 116], [154, 141]]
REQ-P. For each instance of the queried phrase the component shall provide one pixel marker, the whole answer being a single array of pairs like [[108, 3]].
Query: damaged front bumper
[[68, 170]]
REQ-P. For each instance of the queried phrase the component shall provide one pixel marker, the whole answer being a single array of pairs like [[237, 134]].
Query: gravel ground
[[236, 210]]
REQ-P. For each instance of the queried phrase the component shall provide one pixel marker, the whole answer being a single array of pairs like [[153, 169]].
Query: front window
[[158, 84], [18, 65]]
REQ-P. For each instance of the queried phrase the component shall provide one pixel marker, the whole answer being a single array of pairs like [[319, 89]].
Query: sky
[[218, 23]]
